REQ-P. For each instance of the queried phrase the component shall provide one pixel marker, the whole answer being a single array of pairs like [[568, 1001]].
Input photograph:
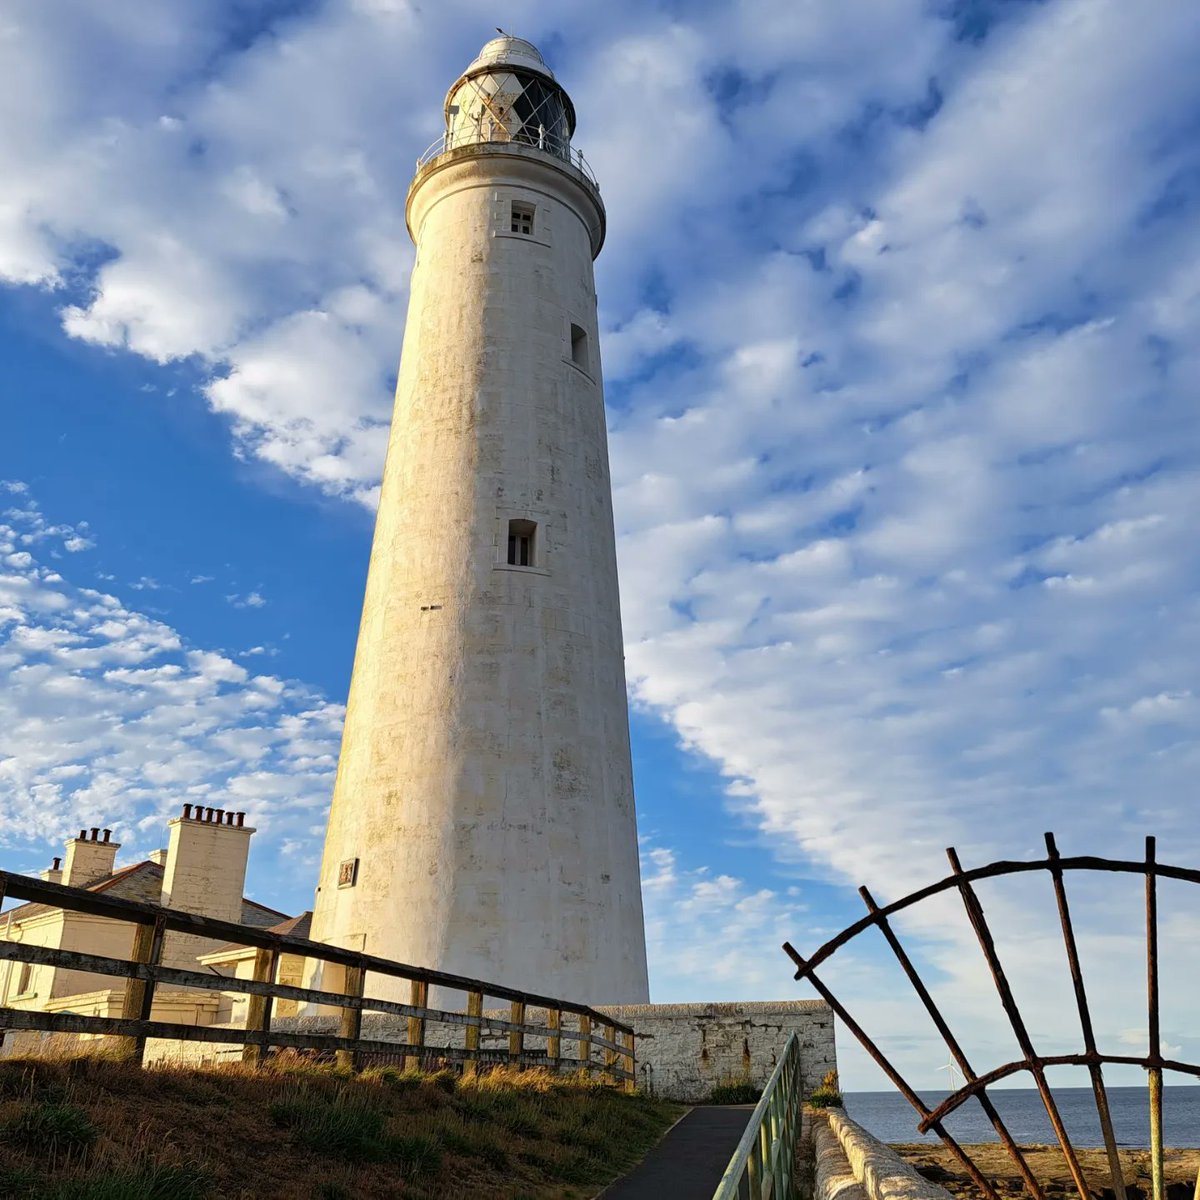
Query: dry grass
[[95, 1128]]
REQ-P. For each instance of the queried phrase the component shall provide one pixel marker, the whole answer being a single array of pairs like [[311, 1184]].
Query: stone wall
[[685, 1050], [853, 1165]]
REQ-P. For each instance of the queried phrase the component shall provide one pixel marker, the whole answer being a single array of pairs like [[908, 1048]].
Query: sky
[[899, 308]]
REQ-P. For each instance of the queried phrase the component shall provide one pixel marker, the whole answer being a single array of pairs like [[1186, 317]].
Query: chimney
[[158, 857], [53, 873], [205, 867], [90, 856]]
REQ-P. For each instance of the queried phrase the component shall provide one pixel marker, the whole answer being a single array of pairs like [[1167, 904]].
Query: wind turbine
[[952, 1067]]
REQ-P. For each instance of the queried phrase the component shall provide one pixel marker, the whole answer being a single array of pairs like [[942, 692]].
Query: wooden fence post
[[139, 993], [630, 1062], [258, 1009], [585, 1043], [553, 1041], [471, 1041], [351, 1026], [611, 1056], [418, 997], [516, 1040]]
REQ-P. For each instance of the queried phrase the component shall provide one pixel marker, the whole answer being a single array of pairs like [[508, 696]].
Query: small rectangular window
[[522, 218], [521, 548], [579, 347]]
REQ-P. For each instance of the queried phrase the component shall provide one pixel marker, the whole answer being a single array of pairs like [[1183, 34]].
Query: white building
[[202, 870], [483, 817]]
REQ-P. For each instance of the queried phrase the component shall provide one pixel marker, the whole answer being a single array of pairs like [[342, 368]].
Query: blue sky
[[899, 308]]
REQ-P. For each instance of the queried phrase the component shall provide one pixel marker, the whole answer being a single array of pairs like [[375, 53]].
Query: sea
[[891, 1119]]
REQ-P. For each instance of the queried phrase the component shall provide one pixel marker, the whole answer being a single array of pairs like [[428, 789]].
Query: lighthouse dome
[[508, 95], [510, 52]]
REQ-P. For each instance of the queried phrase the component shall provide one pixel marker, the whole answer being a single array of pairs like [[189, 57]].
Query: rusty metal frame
[[1035, 1064]]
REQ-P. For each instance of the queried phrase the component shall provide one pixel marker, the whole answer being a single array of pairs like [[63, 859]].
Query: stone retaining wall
[[683, 1050]]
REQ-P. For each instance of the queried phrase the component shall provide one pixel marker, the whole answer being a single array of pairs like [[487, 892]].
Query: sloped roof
[[295, 926], [143, 881]]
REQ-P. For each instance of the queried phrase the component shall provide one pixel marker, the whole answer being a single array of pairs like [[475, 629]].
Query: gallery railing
[[763, 1166], [497, 135], [601, 1045], [933, 1118]]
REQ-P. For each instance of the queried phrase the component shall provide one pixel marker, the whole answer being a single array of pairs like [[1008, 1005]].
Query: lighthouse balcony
[[535, 143]]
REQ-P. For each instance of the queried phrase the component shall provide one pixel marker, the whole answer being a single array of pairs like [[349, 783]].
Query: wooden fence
[[600, 1044]]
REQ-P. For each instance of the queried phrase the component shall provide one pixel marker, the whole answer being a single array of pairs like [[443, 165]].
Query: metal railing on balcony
[[497, 135], [602, 1046], [764, 1165]]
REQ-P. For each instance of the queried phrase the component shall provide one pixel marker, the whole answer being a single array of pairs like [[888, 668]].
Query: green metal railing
[[763, 1166]]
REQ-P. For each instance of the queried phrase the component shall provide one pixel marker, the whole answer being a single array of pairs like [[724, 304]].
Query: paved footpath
[[689, 1162]]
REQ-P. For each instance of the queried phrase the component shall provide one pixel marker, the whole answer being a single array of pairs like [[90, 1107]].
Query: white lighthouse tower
[[483, 818]]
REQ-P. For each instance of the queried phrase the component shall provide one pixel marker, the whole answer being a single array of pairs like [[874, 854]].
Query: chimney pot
[[95, 833], [187, 812], [83, 835], [108, 835], [220, 815], [241, 817], [208, 813], [56, 864]]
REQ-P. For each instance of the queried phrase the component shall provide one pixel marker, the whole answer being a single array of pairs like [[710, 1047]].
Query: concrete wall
[[685, 1050], [854, 1165], [482, 820]]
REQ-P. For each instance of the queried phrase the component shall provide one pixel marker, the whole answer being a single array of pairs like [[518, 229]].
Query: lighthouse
[[483, 815]]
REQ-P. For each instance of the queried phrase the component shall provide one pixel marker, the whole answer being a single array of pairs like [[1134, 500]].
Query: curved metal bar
[[961, 880], [993, 871], [968, 1090]]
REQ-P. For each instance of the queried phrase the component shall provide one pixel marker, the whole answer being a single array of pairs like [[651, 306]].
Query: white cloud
[[108, 717]]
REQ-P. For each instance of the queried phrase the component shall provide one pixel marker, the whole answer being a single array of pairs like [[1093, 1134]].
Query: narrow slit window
[[522, 218], [579, 347], [24, 979], [521, 547]]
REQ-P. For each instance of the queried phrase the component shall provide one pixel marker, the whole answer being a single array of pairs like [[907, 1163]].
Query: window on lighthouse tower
[[521, 543], [522, 218]]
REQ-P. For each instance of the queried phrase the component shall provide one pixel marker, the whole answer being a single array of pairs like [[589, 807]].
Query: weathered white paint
[[484, 784], [875, 1167]]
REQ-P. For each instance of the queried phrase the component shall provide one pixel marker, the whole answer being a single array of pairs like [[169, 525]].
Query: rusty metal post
[[418, 998], [139, 993], [553, 1041], [258, 1009], [471, 1040], [585, 1042], [1085, 1020], [351, 1023], [516, 1039], [1154, 1070], [803, 971], [985, 1101], [987, 944]]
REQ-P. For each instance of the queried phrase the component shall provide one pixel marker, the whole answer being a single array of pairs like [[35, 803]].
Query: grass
[[100, 1129], [735, 1092]]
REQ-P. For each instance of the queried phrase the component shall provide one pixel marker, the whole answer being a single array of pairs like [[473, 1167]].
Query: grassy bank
[[98, 1129], [1047, 1163]]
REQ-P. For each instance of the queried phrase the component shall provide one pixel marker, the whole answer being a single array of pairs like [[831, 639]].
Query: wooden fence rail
[[144, 971]]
